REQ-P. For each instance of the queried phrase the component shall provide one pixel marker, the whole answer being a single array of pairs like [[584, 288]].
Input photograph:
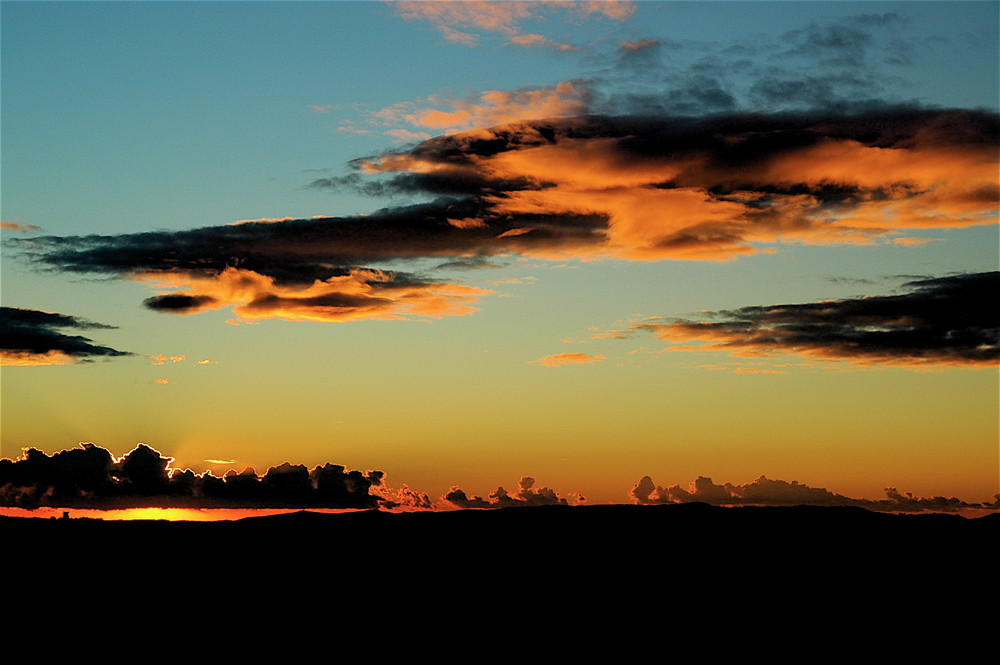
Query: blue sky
[[130, 117]]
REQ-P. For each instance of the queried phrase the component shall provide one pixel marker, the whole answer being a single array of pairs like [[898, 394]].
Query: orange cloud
[[589, 187], [455, 18], [15, 226], [712, 193], [15, 358], [162, 359], [563, 359], [361, 294], [897, 189], [492, 107]]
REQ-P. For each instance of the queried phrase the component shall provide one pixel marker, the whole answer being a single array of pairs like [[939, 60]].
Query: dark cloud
[[846, 42], [89, 476], [710, 187], [847, 64], [178, 302], [941, 321], [767, 492], [34, 337]]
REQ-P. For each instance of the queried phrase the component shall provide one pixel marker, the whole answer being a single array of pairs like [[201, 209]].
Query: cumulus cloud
[[526, 495], [34, 337], [940, 321], [90, 476], [767, 492], [563, 359]]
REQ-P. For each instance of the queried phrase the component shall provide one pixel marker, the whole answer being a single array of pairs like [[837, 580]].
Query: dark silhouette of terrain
[[581, 574], [634, 540]]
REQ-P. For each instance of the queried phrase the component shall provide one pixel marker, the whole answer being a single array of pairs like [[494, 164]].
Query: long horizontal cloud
[[34, 337], [940, 321], [716, 187], [597, 187], [563, 359], [767, 492]]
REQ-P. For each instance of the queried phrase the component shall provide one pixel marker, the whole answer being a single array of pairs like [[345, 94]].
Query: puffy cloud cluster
[[526, 495], [767, 492], [91, 476], [34, 337], [941, 321]]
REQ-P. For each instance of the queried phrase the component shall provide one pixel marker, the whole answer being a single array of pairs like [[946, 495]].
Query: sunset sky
[[467, 242]]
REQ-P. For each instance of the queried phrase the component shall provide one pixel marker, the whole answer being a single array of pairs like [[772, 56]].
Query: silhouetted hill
[[605, 573], [694, 535]]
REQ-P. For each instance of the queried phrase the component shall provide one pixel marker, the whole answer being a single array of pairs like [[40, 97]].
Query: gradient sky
[[570, 303]]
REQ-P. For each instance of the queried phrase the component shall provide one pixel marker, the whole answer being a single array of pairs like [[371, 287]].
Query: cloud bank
[[34, 337], [89, 476], [594, 187]]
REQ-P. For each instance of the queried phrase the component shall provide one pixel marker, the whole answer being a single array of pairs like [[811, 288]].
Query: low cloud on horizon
[[89, 476]]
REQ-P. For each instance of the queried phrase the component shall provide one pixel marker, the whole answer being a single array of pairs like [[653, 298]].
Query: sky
[[468, 243]]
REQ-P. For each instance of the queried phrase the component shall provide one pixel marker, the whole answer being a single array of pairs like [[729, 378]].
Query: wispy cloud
[[563, 359], [411, 120], [457, 19], [16, 225]]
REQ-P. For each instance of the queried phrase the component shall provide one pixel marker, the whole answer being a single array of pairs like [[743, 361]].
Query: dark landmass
[[661, 569], [621, 535]]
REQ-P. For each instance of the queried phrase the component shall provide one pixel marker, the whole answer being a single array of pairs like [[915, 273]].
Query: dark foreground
[[575, 576], [797, 563], [649, 537]]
